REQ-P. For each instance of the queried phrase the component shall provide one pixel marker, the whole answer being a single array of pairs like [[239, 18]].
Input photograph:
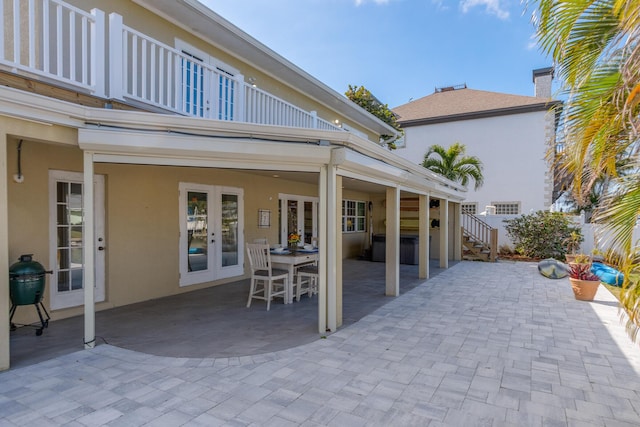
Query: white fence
[[595, 237]]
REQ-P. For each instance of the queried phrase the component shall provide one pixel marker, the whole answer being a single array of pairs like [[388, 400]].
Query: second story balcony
[[98, 55]]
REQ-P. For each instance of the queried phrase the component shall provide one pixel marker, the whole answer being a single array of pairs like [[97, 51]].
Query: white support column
[[322, 245], [423, 236], [88, 254], [337, 236], [116, 65], [98, 54], [457, 231], [332, 247], [392, 239], [4, 257], [444, 233]]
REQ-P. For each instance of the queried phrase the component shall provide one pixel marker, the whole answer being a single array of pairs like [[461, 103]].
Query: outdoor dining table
[[289, 261]]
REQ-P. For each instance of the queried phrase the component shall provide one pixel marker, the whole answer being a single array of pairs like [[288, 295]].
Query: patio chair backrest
[[259, 257]]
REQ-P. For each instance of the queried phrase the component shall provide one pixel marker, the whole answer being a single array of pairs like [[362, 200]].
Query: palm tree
[[453, 164], [595, 45]]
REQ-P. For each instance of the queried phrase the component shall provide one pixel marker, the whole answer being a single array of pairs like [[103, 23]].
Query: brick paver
[[479, 344]]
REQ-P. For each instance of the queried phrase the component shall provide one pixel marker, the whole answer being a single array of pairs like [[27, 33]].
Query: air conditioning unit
[[490, 210]]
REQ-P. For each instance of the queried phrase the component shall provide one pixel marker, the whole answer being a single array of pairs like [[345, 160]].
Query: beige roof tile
[[465, 102]]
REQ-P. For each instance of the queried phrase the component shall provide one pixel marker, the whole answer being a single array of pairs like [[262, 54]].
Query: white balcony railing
[[63, 44], [54, 40]]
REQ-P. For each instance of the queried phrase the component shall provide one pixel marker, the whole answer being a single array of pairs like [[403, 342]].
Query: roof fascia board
[[265, 59], [28, 106], [546, 106], [153, 144]]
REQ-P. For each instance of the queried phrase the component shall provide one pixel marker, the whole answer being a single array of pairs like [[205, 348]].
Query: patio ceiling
[[312, 178], [348, 183]]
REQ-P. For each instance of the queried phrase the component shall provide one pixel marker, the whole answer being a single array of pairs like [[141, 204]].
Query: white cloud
[[491, 6], [439, 4]]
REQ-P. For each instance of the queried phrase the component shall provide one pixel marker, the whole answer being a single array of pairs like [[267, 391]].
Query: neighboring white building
[[509, 133]]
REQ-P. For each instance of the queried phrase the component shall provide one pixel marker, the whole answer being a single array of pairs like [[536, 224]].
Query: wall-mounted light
[[252, 81], [19, 178]]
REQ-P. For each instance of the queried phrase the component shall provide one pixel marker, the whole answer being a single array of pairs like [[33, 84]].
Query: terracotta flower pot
[[584, 290]]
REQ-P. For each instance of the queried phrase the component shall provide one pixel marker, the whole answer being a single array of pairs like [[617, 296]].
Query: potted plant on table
[[583, 282], [293, 240]]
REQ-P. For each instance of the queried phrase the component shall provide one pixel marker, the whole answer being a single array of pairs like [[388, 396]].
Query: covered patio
[[214, 322]]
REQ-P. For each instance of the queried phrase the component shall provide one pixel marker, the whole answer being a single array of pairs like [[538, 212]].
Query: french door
[[209, 88], [211, 230], [66, 238], [298, 214]]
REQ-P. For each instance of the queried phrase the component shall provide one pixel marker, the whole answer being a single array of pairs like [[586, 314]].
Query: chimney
[[542, 78]]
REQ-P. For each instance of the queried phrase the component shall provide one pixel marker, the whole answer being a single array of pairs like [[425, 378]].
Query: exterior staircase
[[479, 239]]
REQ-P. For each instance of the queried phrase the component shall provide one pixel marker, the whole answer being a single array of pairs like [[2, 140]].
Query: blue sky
[[398, 49]]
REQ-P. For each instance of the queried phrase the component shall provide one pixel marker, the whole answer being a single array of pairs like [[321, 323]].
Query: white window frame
[[355, 217]]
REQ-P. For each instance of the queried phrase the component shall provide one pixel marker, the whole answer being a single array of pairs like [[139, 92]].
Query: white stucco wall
[[512, 149]]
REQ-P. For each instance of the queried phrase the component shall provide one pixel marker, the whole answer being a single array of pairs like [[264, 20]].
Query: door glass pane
[[61, 191], [63, 281], [70, 225], [76, 279], [226, 97], [63, 237], [308, 222], [193, 85], [292, 217], [229, 230], [197, 230]]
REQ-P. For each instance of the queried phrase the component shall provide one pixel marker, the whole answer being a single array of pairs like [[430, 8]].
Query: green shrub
[[540, 234]]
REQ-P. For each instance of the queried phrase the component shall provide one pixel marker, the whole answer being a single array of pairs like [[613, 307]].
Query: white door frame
[[215, 269], [76, 298], [284, 199]]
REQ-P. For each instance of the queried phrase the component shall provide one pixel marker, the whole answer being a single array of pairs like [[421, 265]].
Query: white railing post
[[98, 54], [17, 32], [241, 96], [116, 68], [314, 119], [4, 23], [32, 34]]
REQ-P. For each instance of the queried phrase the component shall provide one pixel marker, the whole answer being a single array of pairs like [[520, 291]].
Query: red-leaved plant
[[582, 272]]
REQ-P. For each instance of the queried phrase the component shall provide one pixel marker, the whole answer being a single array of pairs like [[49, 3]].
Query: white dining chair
[[307, 280], [266, 282]]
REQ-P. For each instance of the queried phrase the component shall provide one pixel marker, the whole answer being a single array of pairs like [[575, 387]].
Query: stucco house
[[509, 133], [146, 141]]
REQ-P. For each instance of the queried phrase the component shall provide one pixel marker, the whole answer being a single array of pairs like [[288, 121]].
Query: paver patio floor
[[479, 344]]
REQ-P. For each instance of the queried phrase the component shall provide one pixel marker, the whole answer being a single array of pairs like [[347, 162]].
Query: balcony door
[[209, 88], [211, 230]]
